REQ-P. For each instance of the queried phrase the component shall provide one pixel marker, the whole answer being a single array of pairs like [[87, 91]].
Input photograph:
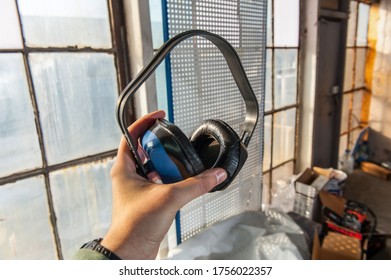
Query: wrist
[[125, 249], [96, 246]]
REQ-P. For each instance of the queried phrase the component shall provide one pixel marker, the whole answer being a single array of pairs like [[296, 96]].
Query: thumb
[[196, 186]]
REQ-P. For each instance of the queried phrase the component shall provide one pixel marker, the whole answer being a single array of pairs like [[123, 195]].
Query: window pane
[[269, 40], [351, 36], [25, 231], [265, 191], [359, 80], [286, 23], [62, 23], [362, 26], [348, 77], [345, 112], [155, 8], [18, 135], [284, 173], [343, 144], [267, 141], [77, 95], [285, 77], [357, 106], [82, 201], [268, 82], [284, 136], [353, 138], [9, 26], [282, 193]]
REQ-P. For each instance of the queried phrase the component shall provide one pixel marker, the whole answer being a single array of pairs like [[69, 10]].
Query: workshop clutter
[[308, 185], [349, 230]]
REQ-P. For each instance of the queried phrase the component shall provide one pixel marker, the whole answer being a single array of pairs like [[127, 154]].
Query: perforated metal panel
[[203, 88]]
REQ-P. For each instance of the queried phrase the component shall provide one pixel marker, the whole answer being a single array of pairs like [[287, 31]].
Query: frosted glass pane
[[18, 135], [362, 25], [283, 173], [348, 77], [286, 23], [77, 95], [267, 141], [343, 144], [155, 8], [61, 23], [25, 232], [345, 112], [285, 77], [82, 202], [284, 136], [351, 36], [10, 36], [265, 191], [357, 108], [269, 37], [353, 136], [359, 80], [268, 82]]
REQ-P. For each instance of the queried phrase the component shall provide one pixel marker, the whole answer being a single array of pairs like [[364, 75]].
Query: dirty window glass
[[76, 95], [362, 24], [345, 112], [18, 134], [62, 23], [286, 23], [9, 26], [359, 80], [351, 36], [284, 136], [268, 81], [82, 202], [25, 232], [267, 142], [348, 77], [285, 77]]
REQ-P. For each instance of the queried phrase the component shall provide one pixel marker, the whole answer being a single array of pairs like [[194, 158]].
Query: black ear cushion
[[193, 164], [218, 145]]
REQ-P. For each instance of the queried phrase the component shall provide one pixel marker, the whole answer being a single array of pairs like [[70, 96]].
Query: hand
[[143, 211]]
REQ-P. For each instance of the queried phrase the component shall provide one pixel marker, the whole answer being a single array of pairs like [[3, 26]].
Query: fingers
[[194, 187], [136, 130], [142, 124], [125, 158]]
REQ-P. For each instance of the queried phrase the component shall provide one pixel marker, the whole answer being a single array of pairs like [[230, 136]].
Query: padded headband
[[234, 65]]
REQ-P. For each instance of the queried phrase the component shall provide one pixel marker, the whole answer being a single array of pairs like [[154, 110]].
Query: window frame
[[268, 172], [119, 50]]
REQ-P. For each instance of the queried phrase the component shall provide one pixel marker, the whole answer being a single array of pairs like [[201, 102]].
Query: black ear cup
[[213, 144], [179, 148], [218, 145]]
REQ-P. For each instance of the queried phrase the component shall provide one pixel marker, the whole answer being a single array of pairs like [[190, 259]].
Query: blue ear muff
[[170, 152]]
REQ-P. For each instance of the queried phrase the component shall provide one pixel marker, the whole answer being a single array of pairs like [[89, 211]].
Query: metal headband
[[234, 65]]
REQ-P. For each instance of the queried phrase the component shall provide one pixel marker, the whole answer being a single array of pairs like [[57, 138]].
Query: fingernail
[[221, 175]]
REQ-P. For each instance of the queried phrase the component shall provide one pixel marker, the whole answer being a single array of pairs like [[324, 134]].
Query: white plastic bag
[[250, 235]]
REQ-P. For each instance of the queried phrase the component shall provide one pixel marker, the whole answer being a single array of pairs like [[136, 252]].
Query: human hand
[[143, 211]]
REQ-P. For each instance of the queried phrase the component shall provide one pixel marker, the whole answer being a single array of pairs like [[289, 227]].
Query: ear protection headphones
[[214, 144]]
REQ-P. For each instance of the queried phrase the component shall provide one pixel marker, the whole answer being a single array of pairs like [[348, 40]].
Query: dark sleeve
[[87, 254]]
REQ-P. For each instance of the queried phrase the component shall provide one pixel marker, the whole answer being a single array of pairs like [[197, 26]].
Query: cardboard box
[[376, 170], [307, 187], [335, 246]]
